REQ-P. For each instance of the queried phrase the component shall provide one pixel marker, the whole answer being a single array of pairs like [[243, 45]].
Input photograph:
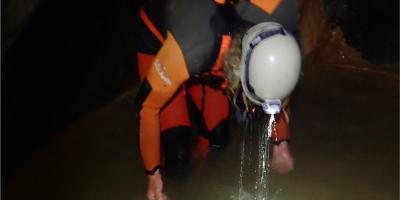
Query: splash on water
[[254, 177]]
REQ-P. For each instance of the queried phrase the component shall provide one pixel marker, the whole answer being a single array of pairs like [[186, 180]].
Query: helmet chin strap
[[271, 107]]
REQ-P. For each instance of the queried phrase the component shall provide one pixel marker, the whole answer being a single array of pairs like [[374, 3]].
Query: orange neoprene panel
[[225, 44], [175, 113], [268, 6], [282, 127], [144, 62], [220, 1]]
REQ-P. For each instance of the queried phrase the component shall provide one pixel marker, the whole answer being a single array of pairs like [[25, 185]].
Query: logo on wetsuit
[[162, 71]]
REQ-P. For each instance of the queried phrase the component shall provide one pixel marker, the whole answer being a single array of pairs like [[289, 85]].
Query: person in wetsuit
[[181, 45]]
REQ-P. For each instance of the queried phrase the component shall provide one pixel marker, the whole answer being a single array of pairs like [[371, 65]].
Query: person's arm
[[166, 74]]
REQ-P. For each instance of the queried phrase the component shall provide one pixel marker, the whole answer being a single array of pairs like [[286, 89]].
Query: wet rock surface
[[370, 28]]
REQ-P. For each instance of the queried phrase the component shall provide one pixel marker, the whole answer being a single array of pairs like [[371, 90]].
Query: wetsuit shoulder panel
[[284, 12], [252, 13], [198, 28], [288, 14]]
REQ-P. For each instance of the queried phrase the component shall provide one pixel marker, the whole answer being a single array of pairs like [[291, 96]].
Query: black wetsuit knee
[[176, 143]]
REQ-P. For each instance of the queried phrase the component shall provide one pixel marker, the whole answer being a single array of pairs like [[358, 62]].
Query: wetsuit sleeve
[[166, 74]]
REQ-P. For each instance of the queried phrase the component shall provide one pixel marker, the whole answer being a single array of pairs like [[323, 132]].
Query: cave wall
[[363, 33], [67, 59], [15, 15]]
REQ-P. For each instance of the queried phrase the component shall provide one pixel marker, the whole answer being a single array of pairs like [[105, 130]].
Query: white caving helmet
[[270, 64]]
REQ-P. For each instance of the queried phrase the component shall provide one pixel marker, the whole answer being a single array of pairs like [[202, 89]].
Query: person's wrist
[[153, 171], [287, 141], [154, 177]]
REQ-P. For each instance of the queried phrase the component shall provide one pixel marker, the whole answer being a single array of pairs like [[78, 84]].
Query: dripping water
[[255, 152]]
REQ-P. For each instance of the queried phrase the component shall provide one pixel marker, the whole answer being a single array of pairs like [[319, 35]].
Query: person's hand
[[155, 187], [282, 160]]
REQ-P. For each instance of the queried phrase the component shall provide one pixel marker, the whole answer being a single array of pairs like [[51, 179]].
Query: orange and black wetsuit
[[181, 40]]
